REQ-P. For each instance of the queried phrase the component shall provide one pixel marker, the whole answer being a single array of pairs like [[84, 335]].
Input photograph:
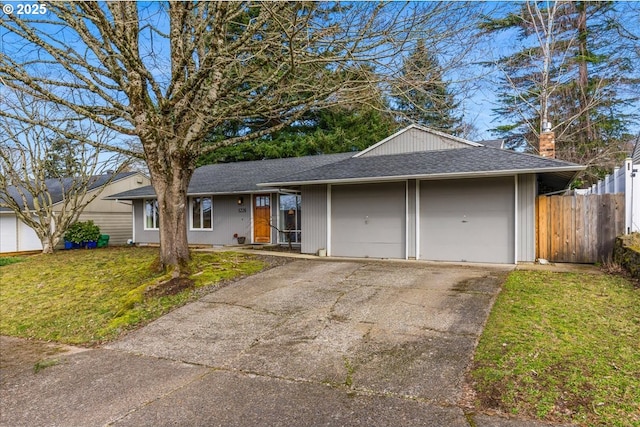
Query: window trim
[[191, 227], [155, 215]]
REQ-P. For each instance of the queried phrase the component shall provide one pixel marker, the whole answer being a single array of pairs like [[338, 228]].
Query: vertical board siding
[[580, 228], [415, 140], [229, 218], [314, 218], [411, 217], [526, 218]]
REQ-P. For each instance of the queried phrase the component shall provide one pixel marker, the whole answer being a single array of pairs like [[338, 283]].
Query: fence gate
[[580, 228]]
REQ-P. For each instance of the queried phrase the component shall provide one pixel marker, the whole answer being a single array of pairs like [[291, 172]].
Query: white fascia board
[[427, 177]]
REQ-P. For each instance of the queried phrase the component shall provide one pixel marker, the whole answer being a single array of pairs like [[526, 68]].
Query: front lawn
[[84, 297], [562, 347]]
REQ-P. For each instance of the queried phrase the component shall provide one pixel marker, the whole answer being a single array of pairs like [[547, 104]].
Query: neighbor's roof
[[240, 177], [57, 187], [636, 152], [441, 164], [493, 143]]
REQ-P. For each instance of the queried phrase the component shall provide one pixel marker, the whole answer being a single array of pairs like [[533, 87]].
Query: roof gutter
[[424, 177], [226, 193]]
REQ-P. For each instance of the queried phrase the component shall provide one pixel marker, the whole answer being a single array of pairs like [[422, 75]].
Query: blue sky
[[477, 104]]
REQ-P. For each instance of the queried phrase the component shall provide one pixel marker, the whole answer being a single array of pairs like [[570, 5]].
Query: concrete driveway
[[310, 343]]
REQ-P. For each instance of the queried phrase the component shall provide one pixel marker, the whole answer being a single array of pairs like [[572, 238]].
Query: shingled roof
[[441, 164], [240, 177], [57, 187]]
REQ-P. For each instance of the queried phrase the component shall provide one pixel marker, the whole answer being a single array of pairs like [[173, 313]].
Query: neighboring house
[[114, 218], [418, 194], [624, 180]]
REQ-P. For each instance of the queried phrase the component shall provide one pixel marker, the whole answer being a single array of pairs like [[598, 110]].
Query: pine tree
[[422, 96], [61, 159], [570, 73]]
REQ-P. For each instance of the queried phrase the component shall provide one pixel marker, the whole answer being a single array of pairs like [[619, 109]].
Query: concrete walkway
[[310, 343]]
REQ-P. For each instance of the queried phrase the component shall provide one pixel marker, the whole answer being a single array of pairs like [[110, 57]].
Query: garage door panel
[[467, 220], [8, 233], [368, 220]]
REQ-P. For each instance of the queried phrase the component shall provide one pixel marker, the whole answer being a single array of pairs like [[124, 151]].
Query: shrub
[[82, 231]]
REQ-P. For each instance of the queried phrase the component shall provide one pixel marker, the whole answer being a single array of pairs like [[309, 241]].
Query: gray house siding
[[368, 220], [414, 140], [228, 219], [142, 235], [526, 227], [411, 218], [468, 220], [314, 218]]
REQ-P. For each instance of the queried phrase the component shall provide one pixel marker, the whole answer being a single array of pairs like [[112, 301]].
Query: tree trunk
[[583, 74], [48, 245], [171, 190]]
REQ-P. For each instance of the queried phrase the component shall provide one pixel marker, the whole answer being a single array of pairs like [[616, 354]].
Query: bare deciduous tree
[[170, 73], [49, 205], [568, 73]]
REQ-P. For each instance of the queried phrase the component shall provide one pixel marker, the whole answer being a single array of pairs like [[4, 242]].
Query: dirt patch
[[170, 287], [281, 248], [19, 356]]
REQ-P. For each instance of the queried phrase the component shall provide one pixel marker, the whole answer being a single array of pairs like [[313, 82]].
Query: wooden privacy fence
[[579, 228]]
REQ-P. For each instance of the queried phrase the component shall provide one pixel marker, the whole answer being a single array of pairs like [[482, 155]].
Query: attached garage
[[368, 220], [422, 194], [467, 220]]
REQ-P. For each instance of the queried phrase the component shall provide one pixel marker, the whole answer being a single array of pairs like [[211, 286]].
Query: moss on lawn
[[85, 297]]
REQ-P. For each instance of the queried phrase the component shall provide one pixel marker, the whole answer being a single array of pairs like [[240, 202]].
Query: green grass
[[6, 260], [84, 297], [563, 347]]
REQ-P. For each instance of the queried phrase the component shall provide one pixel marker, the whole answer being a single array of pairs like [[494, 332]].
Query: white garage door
[[368, 220], [467, 220], [8, 233]]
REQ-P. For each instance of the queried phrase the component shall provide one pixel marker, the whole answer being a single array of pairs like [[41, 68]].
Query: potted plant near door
[[241, 239]]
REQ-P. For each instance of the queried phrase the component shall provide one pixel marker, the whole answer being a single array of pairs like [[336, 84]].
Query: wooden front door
[[261, 218]]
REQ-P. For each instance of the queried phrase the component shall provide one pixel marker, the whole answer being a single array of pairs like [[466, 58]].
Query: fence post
[[629, 214]]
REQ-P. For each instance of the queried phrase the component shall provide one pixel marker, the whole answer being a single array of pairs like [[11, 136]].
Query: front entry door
[[261, 218]]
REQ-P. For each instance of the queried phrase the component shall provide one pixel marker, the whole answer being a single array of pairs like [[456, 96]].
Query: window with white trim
[[202, 213], [151, 214]]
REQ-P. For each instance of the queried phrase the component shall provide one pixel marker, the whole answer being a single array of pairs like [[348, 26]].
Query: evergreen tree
[[61, 159], [570, 73], [422, 96], [333, 130]]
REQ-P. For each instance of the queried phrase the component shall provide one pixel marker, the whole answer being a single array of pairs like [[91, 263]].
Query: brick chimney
[[548, 144]]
